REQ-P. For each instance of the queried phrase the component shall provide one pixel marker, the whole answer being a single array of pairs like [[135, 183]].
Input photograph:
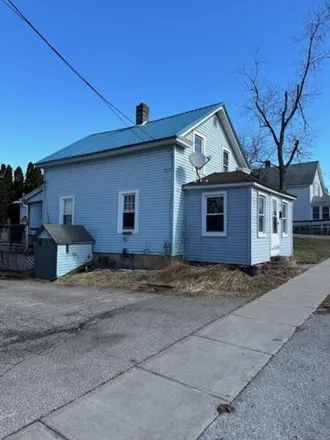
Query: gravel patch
[[290, 397]]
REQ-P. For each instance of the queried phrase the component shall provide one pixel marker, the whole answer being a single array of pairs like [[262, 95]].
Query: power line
[[112, 107]]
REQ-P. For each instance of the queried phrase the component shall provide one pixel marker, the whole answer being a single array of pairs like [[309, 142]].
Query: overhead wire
[[120, 115]]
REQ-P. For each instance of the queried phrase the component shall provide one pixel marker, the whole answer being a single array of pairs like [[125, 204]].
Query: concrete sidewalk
[[174, 395]]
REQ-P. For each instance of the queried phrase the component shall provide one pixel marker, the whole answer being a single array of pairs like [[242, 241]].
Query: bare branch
[[293, 153], [280, 110]]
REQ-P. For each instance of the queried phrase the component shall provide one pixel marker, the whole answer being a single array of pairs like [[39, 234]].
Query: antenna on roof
[[198, 161]]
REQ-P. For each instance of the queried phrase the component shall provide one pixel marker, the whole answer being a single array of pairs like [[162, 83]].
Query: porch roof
[[324, 200], [235, 178]]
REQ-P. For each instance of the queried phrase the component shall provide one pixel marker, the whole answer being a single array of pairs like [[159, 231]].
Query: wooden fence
[[15, 252]]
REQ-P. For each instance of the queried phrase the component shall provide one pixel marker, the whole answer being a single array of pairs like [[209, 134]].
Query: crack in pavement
[[18, 336]]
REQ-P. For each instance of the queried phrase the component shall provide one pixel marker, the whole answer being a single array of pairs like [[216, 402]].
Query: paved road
[[59, 342], [290, 397], [174, 394]]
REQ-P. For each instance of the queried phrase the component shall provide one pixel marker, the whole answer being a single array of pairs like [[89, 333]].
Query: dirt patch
[[190, 280], [324, 308], [224, 408]]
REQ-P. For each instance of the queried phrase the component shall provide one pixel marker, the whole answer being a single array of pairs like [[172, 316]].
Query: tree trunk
[[282, 175]]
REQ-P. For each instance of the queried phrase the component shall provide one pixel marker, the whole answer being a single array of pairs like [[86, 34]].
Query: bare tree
[[255, 147], [281, 111]]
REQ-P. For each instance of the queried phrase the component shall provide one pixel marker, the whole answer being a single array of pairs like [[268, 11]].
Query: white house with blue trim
[[136, 193]]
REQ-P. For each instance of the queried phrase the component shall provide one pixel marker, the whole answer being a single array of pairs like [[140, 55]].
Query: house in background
[[305, 181], [31, 209], [135, 192]]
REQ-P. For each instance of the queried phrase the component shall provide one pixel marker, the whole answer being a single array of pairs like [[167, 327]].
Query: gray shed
[[60, 249]]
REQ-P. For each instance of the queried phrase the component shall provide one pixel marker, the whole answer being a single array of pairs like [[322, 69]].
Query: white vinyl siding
[[69, 257]]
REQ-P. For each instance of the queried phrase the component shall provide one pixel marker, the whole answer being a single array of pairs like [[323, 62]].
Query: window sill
[[127, 231], [284, 235], [214, 234], [262, 235]]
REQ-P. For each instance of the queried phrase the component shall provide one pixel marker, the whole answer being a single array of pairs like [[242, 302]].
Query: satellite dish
[[197, 160]]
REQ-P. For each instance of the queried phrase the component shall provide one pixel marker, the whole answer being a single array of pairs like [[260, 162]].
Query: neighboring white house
[[305, 181], [31, 208]]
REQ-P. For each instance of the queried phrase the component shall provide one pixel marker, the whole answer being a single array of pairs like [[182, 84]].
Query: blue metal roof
[[131, 136]]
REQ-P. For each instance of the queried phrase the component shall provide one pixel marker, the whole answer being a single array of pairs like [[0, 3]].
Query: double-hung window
[[262, 204], [225, 161], [214, 214], [199, 143], [66, 210], [128, 205], [316, 212], [284, 218], [325, 213]]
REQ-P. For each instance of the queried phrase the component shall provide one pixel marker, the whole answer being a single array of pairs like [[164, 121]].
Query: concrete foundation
[[133, 261]]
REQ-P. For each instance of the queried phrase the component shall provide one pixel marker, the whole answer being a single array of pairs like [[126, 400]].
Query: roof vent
[[142, 114]]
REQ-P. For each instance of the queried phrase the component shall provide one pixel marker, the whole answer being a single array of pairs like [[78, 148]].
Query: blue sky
[[173, 55]]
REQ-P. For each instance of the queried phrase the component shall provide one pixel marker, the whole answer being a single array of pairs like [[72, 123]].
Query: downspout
[[172, 225], [250, 214]]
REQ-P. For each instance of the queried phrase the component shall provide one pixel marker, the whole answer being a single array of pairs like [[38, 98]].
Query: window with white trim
[[316, 212], [325, 213], [262, 203], [225, 161], [214, 214], [199, 143], [285, 218], [128, 211], [66, 210]]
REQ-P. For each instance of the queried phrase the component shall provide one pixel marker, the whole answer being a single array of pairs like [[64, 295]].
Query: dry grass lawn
[[211, 280], [311, 250], [189, 280]]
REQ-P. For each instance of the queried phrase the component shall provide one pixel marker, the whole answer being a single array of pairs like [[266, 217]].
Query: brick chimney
[[268, 164], [142, 114]]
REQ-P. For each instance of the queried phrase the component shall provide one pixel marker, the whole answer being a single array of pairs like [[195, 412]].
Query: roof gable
[[299, 174]]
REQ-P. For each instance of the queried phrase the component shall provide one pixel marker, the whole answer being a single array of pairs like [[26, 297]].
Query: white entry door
[[275, 240]]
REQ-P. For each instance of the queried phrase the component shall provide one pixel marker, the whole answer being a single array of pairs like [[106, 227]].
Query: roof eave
[[239, 184], [29, 195]]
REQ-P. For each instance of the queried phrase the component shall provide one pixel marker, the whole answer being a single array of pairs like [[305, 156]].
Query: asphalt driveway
[[59, 342]]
